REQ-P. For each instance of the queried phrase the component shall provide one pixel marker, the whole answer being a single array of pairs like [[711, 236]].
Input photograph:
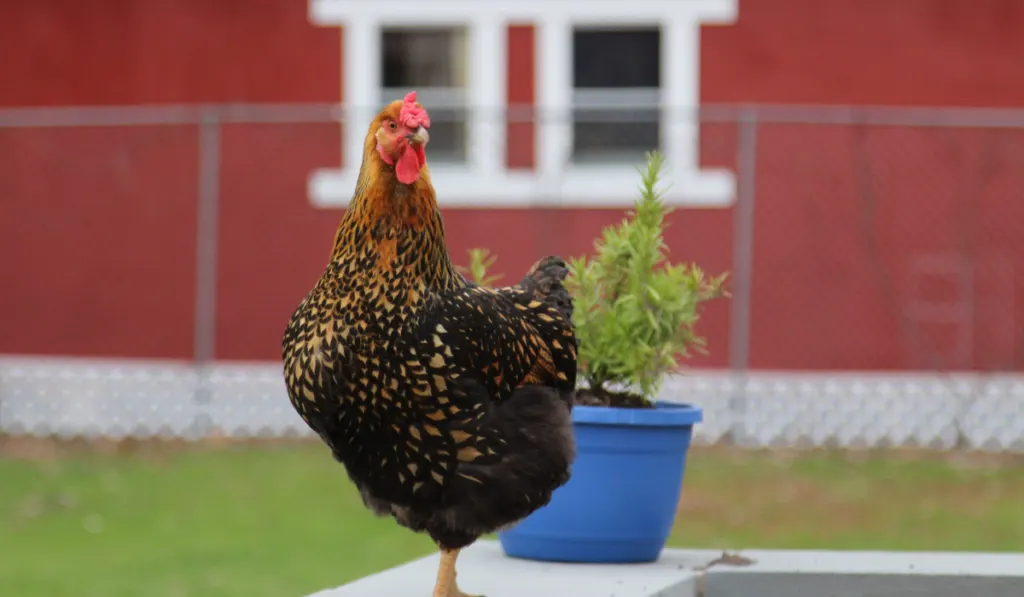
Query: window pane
[[616, 80], [431, 61], [616, 57], [615, 135]]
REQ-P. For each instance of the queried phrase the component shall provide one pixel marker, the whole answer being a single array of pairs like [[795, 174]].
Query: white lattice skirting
[[122, 398]]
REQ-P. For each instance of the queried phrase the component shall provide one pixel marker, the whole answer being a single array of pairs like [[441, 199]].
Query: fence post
[[206, 265], [743, 271]]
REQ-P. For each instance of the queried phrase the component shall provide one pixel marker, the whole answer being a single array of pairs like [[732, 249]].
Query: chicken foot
[[446, 585]]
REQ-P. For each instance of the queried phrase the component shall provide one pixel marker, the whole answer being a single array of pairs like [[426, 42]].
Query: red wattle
[[408, 167]]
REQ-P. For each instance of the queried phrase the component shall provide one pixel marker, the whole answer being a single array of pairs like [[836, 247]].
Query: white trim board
[[484, 181], [572, 187]]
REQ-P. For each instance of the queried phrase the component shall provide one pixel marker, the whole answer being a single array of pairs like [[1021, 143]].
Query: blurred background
[[172, 173]]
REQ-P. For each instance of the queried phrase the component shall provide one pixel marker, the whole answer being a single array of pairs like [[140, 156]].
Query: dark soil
[[602, 397]]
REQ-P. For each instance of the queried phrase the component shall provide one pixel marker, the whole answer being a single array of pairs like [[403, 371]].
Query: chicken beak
[[418, 137]]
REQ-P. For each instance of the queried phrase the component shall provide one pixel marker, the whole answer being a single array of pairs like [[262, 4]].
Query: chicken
[[448, 403]]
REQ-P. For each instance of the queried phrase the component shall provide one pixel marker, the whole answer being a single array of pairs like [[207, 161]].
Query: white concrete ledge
[[862, 574], [483, 568]]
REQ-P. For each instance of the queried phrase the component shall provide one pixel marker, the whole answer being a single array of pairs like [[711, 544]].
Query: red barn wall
[[868, 52], [101, 224], [102, 221]]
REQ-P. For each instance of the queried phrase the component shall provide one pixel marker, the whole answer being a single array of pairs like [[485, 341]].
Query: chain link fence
[[156, 254]]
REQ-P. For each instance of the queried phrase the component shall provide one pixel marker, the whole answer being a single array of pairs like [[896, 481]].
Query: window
[[431, 61], [616, 67], [616, 93]]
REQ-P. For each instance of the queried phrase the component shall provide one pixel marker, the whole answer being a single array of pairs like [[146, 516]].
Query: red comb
[[413, 116]]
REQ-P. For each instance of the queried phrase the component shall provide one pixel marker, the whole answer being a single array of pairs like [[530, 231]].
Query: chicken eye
[[392, 125]]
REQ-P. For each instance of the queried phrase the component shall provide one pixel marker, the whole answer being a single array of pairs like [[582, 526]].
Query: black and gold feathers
[[447, 402]]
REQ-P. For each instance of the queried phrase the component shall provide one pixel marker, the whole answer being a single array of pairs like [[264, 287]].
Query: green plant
[[634, 311], [480, 260]]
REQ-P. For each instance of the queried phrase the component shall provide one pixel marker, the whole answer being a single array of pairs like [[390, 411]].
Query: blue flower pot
[[620, 503]]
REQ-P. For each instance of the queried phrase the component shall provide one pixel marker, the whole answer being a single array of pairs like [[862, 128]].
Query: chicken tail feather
[[544, 282]]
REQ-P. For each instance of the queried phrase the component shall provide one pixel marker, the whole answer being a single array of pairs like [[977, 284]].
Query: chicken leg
[[446, 585]]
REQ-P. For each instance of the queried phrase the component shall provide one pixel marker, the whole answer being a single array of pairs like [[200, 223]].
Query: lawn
[[282, 520]]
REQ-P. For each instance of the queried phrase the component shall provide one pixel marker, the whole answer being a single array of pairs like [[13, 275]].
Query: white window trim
[[484, 181]]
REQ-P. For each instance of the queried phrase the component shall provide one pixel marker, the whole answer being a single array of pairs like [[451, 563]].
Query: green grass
[[882, 500], [274, 521]]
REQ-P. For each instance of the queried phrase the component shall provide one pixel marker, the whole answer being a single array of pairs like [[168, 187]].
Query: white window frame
[[483, 181]]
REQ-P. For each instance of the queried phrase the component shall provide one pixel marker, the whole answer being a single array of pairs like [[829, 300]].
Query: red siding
[[100, 223], [846, 222], [903, 53], [520, 84], [273, 244], [97, 229], [176, 51]]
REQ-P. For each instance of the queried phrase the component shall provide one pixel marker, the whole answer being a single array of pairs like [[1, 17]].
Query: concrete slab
[[484, 569], [880, 562], [783, 573]]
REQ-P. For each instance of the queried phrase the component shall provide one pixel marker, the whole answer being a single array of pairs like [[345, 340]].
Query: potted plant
[[635, 315]]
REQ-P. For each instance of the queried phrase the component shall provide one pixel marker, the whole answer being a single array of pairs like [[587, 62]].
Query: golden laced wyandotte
[[448, 403]]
